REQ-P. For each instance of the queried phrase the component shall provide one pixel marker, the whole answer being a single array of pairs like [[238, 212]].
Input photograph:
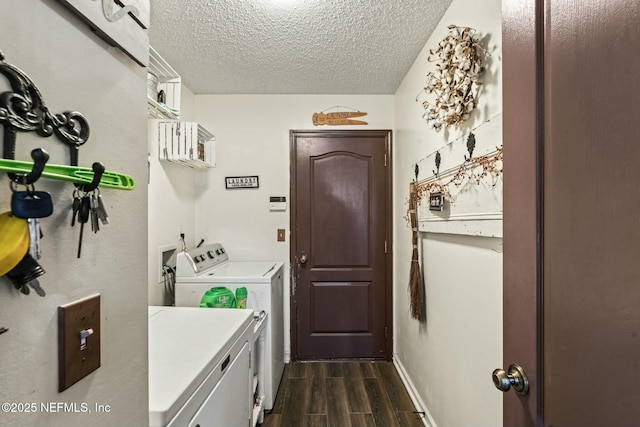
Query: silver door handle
[[303, 259], [514, 377]]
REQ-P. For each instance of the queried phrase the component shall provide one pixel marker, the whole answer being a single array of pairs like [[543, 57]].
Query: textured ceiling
[[292, 46]]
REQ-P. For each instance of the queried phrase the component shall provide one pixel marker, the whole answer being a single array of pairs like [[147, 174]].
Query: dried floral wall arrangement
[[451, 91]]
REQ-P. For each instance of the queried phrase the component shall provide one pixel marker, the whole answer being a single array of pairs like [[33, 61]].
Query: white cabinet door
[[229, 404]]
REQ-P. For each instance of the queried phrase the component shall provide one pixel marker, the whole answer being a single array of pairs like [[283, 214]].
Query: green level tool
[[75, 174]]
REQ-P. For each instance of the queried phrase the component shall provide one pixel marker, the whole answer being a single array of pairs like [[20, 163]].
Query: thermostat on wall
[[277, 203]]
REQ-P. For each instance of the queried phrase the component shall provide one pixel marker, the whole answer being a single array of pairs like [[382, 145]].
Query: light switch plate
[[75, 361], [281, 235]]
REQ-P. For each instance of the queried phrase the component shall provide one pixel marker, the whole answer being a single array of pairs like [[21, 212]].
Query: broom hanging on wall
[[416, 290]]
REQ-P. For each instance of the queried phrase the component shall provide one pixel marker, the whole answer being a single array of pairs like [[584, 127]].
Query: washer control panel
[[195, 261]]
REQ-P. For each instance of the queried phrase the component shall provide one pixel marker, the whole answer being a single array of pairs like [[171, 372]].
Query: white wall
[[252, 133], [76, 70], [172, 200], [449, 360]]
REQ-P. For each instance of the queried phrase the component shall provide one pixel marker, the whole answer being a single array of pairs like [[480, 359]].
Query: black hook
[[438, 159], [471, 144], [416, 170], [40, 158], [98, 170]]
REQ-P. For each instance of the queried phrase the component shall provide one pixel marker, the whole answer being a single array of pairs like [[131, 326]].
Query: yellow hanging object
[[14, 241]]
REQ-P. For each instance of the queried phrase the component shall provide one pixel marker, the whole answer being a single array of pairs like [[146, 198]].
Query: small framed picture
[[436, 202], [236, 182]]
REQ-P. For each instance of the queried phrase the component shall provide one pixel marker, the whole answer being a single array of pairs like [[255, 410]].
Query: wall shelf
[[186, 144], [156, 110], [169, 82]]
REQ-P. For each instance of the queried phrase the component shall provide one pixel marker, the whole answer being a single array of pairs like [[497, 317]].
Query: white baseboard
[[413, 393]]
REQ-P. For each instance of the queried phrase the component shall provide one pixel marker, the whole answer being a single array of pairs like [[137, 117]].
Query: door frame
[[293, 330]]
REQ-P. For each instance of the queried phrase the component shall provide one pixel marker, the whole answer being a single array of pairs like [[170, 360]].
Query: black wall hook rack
[[98, 170], [22, 109], [40, 158], [471, 145], [438, 160]]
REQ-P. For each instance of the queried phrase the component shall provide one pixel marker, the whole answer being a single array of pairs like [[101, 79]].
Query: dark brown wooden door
[[572, 211], [340, 244]]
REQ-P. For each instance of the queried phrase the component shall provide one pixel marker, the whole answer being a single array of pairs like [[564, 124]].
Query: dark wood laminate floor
[[342, 394]]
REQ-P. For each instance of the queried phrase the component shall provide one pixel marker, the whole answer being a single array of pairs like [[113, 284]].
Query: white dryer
[[199, 367], [206, 267]]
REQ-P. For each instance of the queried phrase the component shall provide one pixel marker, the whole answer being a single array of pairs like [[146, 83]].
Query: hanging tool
[[417, 302]]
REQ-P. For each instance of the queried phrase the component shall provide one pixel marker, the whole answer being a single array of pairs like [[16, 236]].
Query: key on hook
[[83, 218]]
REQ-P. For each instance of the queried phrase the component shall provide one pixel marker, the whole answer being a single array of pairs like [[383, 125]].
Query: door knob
[[303, 259], [514, 377]]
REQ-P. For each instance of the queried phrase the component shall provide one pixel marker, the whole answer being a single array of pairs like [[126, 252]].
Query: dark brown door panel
[[340, 308], [340, 222], [571, 211]]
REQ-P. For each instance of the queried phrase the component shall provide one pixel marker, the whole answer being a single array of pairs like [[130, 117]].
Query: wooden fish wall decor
[[338, 118]]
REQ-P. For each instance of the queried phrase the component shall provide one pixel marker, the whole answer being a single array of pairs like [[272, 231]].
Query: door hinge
[[385, 159], [385, 246], [386, 333]]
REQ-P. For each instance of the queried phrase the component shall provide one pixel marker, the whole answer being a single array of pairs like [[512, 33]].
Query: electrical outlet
[[281, 235], [78, 340]]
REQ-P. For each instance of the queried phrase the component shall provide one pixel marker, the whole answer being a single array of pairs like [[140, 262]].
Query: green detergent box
[[218, 297]]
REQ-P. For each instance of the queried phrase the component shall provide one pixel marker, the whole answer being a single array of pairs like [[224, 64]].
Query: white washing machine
[[206, 267], [199, 367]]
